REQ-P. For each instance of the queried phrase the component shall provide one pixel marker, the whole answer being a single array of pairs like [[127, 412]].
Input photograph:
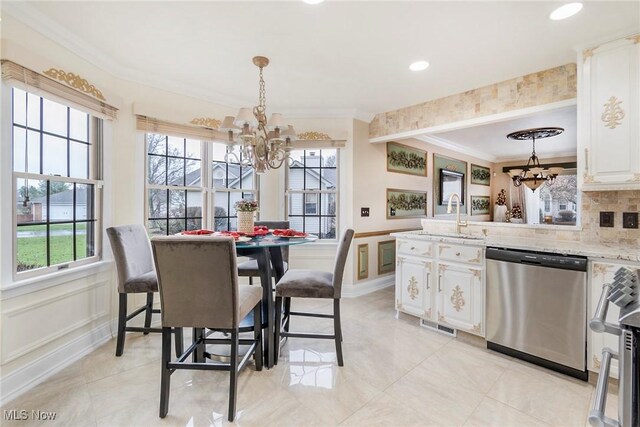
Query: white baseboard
[[368, 286], [22, 380]]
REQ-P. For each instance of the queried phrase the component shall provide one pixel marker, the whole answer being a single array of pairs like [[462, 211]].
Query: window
[[180, 190], [174, 194], [55, 181], [312, 191], [310, 204], [554, 204]]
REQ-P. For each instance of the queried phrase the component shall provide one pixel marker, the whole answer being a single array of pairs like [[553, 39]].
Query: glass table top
[[270, 240]]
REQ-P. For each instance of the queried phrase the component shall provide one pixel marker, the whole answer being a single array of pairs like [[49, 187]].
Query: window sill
[[34, 284]]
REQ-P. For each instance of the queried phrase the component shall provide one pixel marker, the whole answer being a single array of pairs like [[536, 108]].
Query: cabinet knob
[[413, 248], [457, 253]]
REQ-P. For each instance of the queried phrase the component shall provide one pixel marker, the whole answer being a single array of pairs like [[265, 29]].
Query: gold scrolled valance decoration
[[53, 89], [313, 136], [163, 127], [314, 139], [208, 122], [76, 82]]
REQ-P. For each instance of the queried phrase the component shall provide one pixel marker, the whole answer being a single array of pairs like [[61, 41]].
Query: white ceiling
[[490, 141], [336, 57]]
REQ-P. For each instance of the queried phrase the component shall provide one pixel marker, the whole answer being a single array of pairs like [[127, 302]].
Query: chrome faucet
[[458, 222]]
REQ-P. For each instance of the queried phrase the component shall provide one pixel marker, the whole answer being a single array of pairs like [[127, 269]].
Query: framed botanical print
[[406, 203], [404, 159], [480, 205], [480, 175]]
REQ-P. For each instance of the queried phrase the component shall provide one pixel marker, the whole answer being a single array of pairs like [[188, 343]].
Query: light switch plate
[[630, 220], [364, 211]]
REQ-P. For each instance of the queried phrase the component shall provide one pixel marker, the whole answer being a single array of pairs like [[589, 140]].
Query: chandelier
[[263, 144], [533, 175]]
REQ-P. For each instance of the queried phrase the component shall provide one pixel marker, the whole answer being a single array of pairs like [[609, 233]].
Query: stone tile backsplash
[[591, 232], [617, 201]]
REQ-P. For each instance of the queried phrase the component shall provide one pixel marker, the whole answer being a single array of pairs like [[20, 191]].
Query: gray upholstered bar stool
[[314, 284], [250, 268], [136, 274], [198, 283]]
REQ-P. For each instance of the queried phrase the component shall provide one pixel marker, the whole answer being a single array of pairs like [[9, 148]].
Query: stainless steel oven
[[624, 293]]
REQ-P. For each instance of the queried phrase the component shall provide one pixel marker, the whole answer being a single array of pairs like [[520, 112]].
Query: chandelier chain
[[262, 97]]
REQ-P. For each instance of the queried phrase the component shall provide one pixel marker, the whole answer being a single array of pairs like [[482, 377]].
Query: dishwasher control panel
[[542, 259]]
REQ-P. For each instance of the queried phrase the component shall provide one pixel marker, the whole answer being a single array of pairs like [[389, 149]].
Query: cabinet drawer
[[467, 254], [414, 247]]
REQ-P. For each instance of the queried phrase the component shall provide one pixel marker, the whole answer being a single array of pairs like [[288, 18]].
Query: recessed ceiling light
[[419, 66], [566, 11], [313, 1]]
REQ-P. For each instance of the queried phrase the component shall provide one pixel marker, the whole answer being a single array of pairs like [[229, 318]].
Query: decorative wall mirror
[[451, 182]]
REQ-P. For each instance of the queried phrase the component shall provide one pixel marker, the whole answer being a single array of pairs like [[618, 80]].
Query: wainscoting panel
[[36, 323]]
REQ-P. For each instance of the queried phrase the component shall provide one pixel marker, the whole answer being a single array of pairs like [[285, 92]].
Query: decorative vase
[[245, 221], [500, 213]]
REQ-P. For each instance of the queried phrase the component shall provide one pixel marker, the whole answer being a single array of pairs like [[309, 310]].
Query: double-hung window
[[56, 183], [174, 184], [312, 191], [183, 193]]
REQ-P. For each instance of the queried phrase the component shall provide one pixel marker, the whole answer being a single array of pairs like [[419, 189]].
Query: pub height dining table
[[267, 251]]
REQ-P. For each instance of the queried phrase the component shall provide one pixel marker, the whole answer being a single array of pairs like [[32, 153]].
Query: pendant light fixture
[[263, 144], [533, 175]]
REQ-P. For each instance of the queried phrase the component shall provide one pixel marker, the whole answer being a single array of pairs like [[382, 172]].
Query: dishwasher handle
[[596, 416], [598, 323]]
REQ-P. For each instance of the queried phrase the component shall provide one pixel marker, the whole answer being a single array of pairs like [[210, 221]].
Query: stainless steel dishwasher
[[537, 308]]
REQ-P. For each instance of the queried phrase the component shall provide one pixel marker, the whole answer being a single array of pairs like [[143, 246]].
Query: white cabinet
[[609, 116], [460, 300], [413, 287], [442, 283]]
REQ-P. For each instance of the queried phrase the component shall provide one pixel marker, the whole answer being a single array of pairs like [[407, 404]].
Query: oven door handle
[[598, 324], [596, 416]]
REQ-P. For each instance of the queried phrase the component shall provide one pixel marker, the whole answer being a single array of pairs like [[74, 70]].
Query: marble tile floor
[[396, 373]]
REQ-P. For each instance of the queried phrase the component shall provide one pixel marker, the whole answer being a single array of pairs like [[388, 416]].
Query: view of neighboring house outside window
[[180, 192], [555, 204], [312, 192], [231, 182], [55, 148]]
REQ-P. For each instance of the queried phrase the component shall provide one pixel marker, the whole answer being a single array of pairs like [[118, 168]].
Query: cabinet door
[[601, 273], [461, 297], [413, 287], [609, 117]]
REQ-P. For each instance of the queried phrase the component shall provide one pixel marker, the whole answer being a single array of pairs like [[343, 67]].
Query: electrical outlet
[[606, 219], [630, 220], [364, 211]]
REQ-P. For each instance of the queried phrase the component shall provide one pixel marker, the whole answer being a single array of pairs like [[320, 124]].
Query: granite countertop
[[609, 251]]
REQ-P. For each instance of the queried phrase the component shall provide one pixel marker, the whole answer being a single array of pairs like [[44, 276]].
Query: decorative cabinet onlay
[[613, 114], [457, 298], [75, 81], [412, 289]]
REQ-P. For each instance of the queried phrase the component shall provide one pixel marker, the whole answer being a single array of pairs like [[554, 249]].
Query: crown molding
[[39, 22], [444, 143]]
